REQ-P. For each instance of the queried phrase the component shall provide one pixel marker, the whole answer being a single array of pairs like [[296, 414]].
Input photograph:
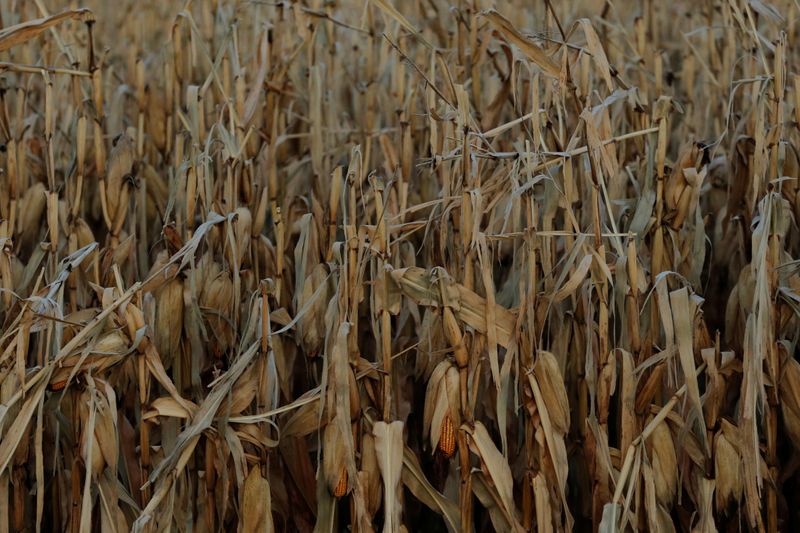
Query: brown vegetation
[[402, 265]]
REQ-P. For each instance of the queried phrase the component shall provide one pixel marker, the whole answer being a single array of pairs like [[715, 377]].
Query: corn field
[[399, 265]]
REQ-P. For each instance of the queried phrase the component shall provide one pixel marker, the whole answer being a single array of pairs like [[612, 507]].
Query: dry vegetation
[[404, 265]]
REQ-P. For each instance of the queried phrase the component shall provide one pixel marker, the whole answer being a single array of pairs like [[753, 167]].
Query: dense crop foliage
[[399, 265]]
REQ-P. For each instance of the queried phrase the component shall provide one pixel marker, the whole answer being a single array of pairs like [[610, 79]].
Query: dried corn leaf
[[389, 450], [25, 31], [532, 51]]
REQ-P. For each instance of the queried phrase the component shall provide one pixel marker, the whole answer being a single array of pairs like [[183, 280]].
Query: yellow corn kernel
[[447, 440]]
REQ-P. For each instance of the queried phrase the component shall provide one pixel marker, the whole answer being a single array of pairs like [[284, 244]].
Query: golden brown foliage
[[410, 266]]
